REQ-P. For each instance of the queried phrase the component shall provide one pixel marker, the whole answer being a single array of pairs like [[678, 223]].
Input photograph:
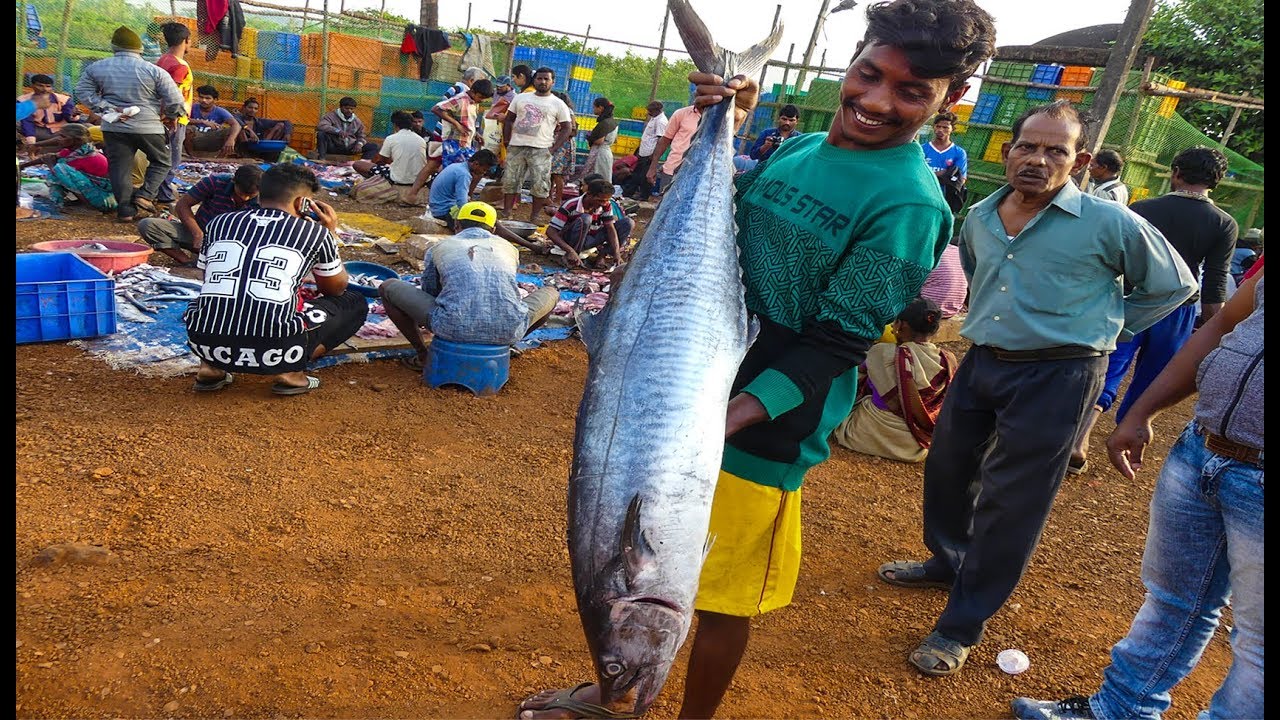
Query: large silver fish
[[650, 429]]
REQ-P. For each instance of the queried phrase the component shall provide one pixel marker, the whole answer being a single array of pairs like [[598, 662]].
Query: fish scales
[[650, 427]]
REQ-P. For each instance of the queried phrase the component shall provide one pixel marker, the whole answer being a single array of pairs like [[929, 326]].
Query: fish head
[[634, 647]]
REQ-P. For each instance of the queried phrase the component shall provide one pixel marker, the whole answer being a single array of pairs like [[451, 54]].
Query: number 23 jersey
[[254, 262]]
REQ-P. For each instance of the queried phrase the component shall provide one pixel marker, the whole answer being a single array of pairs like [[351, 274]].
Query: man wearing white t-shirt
[[637, 185], [402, 155], [537, 124]]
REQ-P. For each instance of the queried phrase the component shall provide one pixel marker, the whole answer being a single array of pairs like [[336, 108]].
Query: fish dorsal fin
[[591, 328], [636, 552], [710, 57]]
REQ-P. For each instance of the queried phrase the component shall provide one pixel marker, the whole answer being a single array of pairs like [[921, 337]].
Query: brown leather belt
[[1231, 449], [1062, 352]]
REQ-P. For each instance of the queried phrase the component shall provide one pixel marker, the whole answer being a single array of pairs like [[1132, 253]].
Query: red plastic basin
[[120, 255]]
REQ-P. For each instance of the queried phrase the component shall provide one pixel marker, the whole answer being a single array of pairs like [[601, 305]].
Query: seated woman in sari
[[900, 389], [77, 167]]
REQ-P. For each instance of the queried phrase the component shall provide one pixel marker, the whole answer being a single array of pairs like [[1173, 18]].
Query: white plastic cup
[[1013, 661]]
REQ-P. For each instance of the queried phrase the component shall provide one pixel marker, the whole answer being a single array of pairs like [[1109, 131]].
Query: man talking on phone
[[249, 317]]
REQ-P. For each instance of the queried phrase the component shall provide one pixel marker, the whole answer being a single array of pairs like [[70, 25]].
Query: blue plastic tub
[[61, 297], [285, 72], [482, 369], [279, 46], [266, 145], [356, 267]]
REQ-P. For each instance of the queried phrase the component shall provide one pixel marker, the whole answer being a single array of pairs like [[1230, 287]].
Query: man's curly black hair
[[941, 38], [1200, 165]]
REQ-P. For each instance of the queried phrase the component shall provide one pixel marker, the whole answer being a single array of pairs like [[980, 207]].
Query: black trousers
[[999, 453], [327, 142], [120, 149], [637, 185]]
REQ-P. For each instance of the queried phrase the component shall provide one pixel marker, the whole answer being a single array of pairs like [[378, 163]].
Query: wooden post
[[786, 69], [1117, 69], [22, 45], [468, 17], [657, 65], [173, 8], [324, 57], [306, 5], [62, 41], [813, 41], [1231, 125], [515, 31], [511, 36], [1137, 105]]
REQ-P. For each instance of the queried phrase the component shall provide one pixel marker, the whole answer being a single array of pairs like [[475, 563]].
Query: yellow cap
[[480, 212]]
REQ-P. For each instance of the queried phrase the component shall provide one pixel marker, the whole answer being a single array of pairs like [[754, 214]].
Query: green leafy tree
[[1213, 45]]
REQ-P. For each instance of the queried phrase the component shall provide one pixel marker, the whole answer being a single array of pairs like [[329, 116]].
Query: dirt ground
[[380, 549]]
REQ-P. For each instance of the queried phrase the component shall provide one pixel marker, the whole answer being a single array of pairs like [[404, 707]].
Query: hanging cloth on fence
[[477, 54], [222, 33], [232, 28], [214, 11], [423, 41]]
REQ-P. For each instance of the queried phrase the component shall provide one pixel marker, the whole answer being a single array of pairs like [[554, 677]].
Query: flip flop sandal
[[212, 385], [413, 362], [1080, 469], [282, 389], [939, 649], [39, 215], [564, 700], [907, 573], [144, 204]]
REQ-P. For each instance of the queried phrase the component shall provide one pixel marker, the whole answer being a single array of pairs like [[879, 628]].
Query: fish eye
[[613, 669]]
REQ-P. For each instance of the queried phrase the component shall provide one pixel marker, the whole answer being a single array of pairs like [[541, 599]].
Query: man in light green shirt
[[1047, 269]]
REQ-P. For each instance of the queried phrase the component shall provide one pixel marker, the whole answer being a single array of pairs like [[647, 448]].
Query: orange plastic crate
[[1076, 76], [189, 22], [354, 52], [40, 66], [223, 64], [340, 77], [295, 107]]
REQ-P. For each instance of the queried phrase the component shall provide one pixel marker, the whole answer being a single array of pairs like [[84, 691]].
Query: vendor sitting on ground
[[452, 189], [47, 120], [215, 195], [398, 161], [340, 132], [588, 221], [211, 128], [469, 292], [901, 388], [247, 317], [419, 126], [77, 169], [254, 129]]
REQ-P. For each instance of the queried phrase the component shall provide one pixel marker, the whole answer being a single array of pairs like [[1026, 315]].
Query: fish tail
[[710, 57]]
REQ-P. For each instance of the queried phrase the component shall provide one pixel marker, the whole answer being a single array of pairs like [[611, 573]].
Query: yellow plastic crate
[[244, 66], [1169, 104], [639, 112], [963, 113], [998, 139], [586, 122], [249, 42], [1138, 193], [255, 68], [582, 73]]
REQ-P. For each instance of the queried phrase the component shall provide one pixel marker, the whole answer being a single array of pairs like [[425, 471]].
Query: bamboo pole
[[66, 32], [582, 50], [657, 65], [558, 31], [813, 41], [786, 69], [324, 57], [1117, 69], [1244, 101], [21, 38], [468, 17], [1231, 126], [511, 37]]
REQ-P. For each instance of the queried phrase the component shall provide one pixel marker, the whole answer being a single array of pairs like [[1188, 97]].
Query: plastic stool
[[482, 369]]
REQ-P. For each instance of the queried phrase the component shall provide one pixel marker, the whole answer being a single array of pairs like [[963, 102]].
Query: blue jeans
[[176, 137], [1154, 347], [1204, 545]]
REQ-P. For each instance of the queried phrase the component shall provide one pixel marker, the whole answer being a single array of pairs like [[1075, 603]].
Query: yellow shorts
[[755, 552]]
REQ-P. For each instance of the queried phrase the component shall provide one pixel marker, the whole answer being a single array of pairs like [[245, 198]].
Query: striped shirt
[[125, 80], [947, 285], [572, 209], [254, 262], [216, 195]]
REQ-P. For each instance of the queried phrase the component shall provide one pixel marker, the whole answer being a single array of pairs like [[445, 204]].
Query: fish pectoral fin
[[706, 547], [591, 328], [753, 330], [635, 548]]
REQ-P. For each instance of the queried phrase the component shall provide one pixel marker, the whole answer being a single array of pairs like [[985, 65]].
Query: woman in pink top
[[78, 168]]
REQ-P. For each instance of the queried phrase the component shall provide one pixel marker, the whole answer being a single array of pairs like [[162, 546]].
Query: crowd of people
[[1061, 291]]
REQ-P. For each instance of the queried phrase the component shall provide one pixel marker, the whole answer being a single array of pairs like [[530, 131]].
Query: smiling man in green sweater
[[837, 233]]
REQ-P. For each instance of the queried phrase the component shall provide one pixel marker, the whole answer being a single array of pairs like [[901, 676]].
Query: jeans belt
[[1231, 449], [1062, 352]]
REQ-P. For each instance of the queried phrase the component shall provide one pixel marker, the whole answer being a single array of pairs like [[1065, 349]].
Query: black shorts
[[328, 321]]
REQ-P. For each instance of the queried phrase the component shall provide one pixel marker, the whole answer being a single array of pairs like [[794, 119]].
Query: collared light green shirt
[[1061, 280]]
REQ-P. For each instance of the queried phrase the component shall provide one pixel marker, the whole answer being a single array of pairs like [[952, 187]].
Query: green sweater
[[834, 244]]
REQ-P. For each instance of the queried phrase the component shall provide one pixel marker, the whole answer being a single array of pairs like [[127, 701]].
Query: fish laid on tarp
[[650, 428]]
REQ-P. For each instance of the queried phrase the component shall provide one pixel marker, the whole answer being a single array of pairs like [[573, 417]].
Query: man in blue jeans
[[1204, 541], [1203, 235]]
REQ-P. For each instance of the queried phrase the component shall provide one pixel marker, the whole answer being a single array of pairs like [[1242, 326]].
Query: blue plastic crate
[[60, 297], [635, 126], [1047, 74], [579, 86], [436, 89], [526, 55], [586, 61], [285, 72], [406, 87], [984, 111], [279, 46]]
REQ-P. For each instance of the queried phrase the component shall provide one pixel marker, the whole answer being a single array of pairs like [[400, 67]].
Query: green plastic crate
[[1011, 70]]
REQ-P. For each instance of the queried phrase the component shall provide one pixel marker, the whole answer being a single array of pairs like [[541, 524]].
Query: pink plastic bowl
[[121, 255]]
